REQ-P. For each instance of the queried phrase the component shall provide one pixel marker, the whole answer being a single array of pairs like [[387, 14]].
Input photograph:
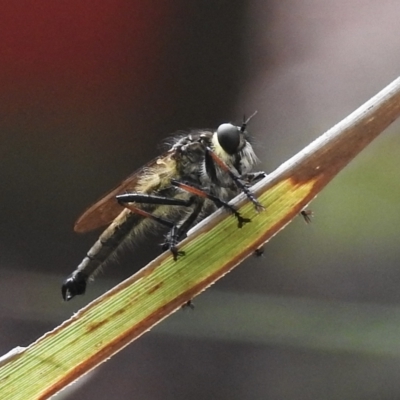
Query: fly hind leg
[[177, 232]]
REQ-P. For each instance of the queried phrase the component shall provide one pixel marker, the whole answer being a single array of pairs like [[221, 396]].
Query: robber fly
[[201, 172]]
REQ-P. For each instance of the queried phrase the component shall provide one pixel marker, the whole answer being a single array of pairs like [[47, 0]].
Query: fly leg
[[218, 202], [177, 232], [254, 177], [105, 245], [211, 159], [126, 199], [109, 240]]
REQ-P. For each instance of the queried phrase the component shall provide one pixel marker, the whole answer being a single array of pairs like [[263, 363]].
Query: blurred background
[[88, 90]]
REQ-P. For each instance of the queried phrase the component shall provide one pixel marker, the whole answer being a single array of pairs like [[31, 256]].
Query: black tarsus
[[74, 285]]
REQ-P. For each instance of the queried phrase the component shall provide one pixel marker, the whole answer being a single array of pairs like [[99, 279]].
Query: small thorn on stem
[[307, 215]]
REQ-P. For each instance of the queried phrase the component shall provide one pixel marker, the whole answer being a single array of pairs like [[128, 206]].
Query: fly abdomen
[[108, 241]]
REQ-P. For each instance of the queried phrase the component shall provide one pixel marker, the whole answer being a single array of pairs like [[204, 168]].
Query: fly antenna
[[246, 121]]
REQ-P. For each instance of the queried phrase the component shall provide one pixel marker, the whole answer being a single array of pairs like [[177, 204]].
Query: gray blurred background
[[87, 94]]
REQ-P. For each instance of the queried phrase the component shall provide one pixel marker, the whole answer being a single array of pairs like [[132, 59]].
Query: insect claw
[[241, 220], [176, 253], [259, 207], [73, 286]]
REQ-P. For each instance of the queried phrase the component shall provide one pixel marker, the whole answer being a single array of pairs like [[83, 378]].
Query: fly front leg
[[253, 177], [218, 202], [211, 159]]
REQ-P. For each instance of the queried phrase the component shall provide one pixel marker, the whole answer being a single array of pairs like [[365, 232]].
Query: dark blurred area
[[88, 94]]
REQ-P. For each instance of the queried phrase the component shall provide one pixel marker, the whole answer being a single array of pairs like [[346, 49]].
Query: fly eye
[[229, 137]]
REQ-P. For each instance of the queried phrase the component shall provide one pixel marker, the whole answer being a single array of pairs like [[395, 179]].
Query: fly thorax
[[189, 162]]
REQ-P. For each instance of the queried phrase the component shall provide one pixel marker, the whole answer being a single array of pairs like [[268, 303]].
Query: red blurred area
[[50, 47]]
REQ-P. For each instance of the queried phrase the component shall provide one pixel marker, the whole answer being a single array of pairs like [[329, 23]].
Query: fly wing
[[106, 209]]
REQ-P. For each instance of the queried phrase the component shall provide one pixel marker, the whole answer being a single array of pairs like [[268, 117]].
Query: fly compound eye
[[229, 137]]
